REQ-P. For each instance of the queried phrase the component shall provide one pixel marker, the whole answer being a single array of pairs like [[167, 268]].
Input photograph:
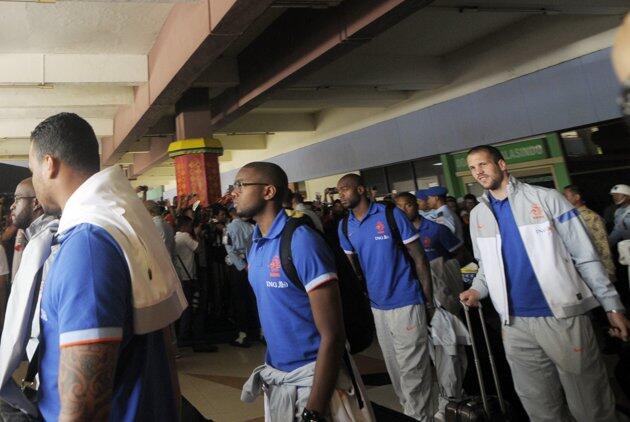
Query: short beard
[[354, 203], [496, 184], [252, 212], [23, 221]]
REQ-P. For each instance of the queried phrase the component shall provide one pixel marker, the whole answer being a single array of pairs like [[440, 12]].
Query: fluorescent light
[[437, 164]]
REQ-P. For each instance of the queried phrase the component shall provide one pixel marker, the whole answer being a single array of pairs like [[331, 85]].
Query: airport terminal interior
[[182, 94]]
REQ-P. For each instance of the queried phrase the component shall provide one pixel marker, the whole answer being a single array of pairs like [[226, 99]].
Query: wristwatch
[[312, 416]]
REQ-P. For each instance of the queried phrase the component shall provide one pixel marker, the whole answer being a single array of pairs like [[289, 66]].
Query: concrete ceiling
[[75, 56], [75, 27], [87, 57]]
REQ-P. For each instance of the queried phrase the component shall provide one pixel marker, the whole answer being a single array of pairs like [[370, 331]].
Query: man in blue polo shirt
[[399, 301], [92, 364], [543, 274], [303, 327], [441, 247]]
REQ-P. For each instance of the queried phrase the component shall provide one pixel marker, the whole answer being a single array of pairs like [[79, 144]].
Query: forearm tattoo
[[86, 378]]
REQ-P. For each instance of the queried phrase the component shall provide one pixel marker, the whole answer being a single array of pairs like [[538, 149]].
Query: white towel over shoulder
[[107, 200]]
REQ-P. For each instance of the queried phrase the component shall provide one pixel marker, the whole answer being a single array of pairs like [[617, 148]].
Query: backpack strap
[[393, 226], [286, 256], [286, 260], [395, 231]]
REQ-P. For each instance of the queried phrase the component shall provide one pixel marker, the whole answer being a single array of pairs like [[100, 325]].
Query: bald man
[[24, 210], [399, 286], [28, 216]]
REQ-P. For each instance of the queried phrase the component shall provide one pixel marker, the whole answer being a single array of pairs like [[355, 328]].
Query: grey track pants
[[403, 337], [558, 370]]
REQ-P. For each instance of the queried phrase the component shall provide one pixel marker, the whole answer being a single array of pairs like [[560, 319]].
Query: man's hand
[[86, 380], [620, 326], [470, 297]]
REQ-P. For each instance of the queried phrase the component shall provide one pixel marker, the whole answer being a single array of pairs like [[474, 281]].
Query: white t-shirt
[[185, 247]]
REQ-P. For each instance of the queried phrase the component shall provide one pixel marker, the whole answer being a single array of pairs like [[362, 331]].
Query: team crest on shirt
[[380, 231], [426, 242], [537, 212], [274, 267]]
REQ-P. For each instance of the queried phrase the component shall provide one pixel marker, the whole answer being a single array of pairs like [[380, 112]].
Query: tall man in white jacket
[[539, 266]]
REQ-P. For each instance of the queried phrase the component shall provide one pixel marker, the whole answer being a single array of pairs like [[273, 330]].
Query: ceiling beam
[[271, 122], [608, 7], [65, 96], [319, 98], [238, 142], [22, 128], [102, 111], [158, 152], [380, 71], [318, 37], [193, 36], [40, 69], [223, 73]]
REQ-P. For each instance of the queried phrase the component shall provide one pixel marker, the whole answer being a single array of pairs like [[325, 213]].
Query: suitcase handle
[[493, 365]]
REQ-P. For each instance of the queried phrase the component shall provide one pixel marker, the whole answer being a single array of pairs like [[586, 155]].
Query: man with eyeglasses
[[20, 338], [28, 216], [303, 326]]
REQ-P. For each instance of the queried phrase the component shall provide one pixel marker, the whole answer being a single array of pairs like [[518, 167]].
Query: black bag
[[357, 313], [479, 408]]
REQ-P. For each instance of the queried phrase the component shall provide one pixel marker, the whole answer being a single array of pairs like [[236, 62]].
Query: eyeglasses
[[17, 198], [239, 185]]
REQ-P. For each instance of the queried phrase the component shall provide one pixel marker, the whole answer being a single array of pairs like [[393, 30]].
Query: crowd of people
[[106, 285], [100, 287]]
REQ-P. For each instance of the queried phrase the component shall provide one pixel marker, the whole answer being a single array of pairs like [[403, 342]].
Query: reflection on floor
[[212, 382]]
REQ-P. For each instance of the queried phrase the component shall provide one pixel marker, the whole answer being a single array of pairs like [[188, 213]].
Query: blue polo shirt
[[86, 299], [390, 280], [437, 240], [525, 297], [284, 310]]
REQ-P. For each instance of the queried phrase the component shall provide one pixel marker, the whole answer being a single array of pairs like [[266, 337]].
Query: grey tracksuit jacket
[[567, 266]]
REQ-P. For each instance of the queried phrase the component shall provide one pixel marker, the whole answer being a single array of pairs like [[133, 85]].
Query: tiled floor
[[212, 382]]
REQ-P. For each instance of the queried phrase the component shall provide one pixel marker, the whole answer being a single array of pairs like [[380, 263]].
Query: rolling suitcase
[[484, 407]]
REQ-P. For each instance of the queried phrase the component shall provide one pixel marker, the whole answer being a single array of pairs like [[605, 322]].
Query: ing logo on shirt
[[274, 267], [380, 227]]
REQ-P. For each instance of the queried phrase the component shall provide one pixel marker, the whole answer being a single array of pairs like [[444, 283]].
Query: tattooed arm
[[86, 379]]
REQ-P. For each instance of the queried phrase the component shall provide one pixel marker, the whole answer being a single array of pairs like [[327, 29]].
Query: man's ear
[[361, 190], [269, 192], [502, 165], [36, 205], [50, 166]]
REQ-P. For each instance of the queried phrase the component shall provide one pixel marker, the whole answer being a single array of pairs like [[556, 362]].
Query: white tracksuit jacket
[[567, 266]]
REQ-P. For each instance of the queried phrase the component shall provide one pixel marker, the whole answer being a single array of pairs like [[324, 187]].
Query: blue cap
[[421, 194], [436, 191]]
